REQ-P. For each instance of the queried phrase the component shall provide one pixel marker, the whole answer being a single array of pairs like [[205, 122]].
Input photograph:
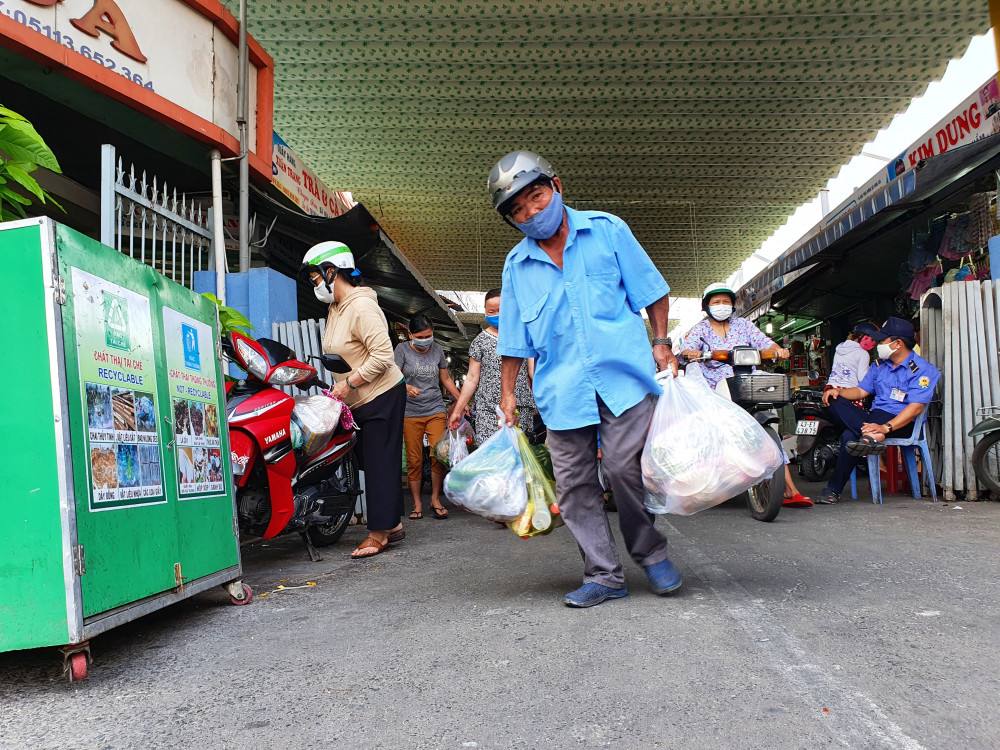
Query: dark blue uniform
[[895, 387]]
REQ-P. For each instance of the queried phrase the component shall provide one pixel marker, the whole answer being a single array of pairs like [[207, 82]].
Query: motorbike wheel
[[324, 536], [815, 467], [986, 462], [764, 499]]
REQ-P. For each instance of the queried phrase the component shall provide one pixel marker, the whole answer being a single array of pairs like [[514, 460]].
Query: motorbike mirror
[[334, 363]]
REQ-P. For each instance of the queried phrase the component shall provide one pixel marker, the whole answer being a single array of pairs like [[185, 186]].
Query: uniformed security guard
[[903, 384]]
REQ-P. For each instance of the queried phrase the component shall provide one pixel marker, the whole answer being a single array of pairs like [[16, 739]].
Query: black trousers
[[851, 417], [381, 454]]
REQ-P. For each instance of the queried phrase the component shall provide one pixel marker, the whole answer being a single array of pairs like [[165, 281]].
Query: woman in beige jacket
[[357, 330]]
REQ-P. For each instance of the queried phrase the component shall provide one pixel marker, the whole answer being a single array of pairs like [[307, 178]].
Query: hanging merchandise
[[980, 221], [924, 280], [956, 242], [921, 254]]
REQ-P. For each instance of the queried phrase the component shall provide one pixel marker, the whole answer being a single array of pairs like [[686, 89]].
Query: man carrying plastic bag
[[573, 291]]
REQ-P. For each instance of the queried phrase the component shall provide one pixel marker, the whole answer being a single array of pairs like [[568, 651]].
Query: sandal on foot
[[397, 536], [798, 500], [416, 515], [370, 543], [439, 512], [866, 446]]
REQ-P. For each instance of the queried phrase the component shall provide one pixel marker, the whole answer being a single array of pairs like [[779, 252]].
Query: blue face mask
[[546, 222], [493, 320]]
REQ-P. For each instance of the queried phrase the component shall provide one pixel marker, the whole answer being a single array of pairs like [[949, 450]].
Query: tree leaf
[[13, 197], [22, 143], [25, 180], [234, 318], [4, 112], [211, 298]]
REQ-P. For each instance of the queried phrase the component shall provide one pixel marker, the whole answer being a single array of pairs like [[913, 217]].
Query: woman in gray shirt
[[425, 368]]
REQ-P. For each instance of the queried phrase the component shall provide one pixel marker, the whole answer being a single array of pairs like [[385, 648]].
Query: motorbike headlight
[[746, 357], [255, 362], [287, 375]]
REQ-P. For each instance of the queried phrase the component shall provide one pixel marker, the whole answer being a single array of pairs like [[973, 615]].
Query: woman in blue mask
[[425, 368], [483, 379]]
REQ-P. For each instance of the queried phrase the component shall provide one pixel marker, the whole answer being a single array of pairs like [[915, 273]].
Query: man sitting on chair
[[903, 384]]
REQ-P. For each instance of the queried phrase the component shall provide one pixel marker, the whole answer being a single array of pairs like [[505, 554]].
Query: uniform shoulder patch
[[914, 366], [924, 382]]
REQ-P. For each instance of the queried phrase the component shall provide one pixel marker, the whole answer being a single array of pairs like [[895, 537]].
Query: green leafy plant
[[229, 319], [22, 151]]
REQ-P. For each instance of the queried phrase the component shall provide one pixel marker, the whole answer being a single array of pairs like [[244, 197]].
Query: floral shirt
[[741, 333], [484, 351]]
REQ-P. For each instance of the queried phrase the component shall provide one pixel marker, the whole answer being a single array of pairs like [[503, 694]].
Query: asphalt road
[[851, 626]]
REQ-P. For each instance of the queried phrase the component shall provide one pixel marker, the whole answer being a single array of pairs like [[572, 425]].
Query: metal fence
[[960, 334], [144, 217], [305, 338]]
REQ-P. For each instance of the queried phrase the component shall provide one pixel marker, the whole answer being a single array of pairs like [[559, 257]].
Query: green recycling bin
[[116, 497]]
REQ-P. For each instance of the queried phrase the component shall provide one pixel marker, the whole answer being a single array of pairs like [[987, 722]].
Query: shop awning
[[401, 289], [703, 124], [858, 256]]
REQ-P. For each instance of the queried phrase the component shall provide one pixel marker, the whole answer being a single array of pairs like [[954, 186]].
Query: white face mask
[[884, 351], [423, 343], [720, 312], [323, 294]]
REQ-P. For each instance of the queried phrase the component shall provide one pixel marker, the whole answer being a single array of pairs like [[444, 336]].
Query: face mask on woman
[[422, 344], [867, 343], [720, 312], [324, 291]]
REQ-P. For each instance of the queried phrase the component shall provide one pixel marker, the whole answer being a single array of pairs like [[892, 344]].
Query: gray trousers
[[581, 501]]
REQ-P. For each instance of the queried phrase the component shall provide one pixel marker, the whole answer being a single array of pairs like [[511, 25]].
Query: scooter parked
[[986, 456], [817, 442], [280, 489]]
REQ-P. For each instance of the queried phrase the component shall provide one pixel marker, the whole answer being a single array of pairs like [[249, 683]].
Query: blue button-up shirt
[[914, 377], [582, 323]]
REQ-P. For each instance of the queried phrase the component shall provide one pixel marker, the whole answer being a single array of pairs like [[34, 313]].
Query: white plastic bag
[[316, 418], [701, 449], [490, 482], [458, 449]]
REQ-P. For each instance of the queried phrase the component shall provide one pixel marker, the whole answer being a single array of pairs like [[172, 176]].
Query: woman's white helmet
[[329, 254], [321, 258], [513, 173]]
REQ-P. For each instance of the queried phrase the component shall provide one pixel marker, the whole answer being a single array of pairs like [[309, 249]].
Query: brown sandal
[[370, 543]]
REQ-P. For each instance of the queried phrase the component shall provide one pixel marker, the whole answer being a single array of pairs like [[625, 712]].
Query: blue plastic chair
[[908, 447]]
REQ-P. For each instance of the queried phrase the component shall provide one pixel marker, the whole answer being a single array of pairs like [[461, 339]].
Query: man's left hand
[[665, 359]]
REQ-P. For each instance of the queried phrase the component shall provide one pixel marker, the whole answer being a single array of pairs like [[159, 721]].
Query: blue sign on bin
[[192, 359]]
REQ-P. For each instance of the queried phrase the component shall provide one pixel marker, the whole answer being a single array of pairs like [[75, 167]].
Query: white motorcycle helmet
[[321, 258]]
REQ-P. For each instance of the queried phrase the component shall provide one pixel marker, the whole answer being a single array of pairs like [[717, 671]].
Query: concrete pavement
[[848, 626]]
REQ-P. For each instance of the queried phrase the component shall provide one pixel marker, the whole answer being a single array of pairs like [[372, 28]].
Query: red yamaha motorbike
[[280, 489]]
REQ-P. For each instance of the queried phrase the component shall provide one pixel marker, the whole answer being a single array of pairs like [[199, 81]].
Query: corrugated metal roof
[[702, 123]]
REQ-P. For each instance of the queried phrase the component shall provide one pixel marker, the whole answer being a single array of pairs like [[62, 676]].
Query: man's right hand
[[508, 405], [455, 419], [830, 393]]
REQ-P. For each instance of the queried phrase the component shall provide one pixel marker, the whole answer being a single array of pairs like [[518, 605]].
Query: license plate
[[807, 427]]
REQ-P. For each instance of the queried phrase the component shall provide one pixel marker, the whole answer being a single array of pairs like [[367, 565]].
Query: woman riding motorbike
[[720, 330]]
